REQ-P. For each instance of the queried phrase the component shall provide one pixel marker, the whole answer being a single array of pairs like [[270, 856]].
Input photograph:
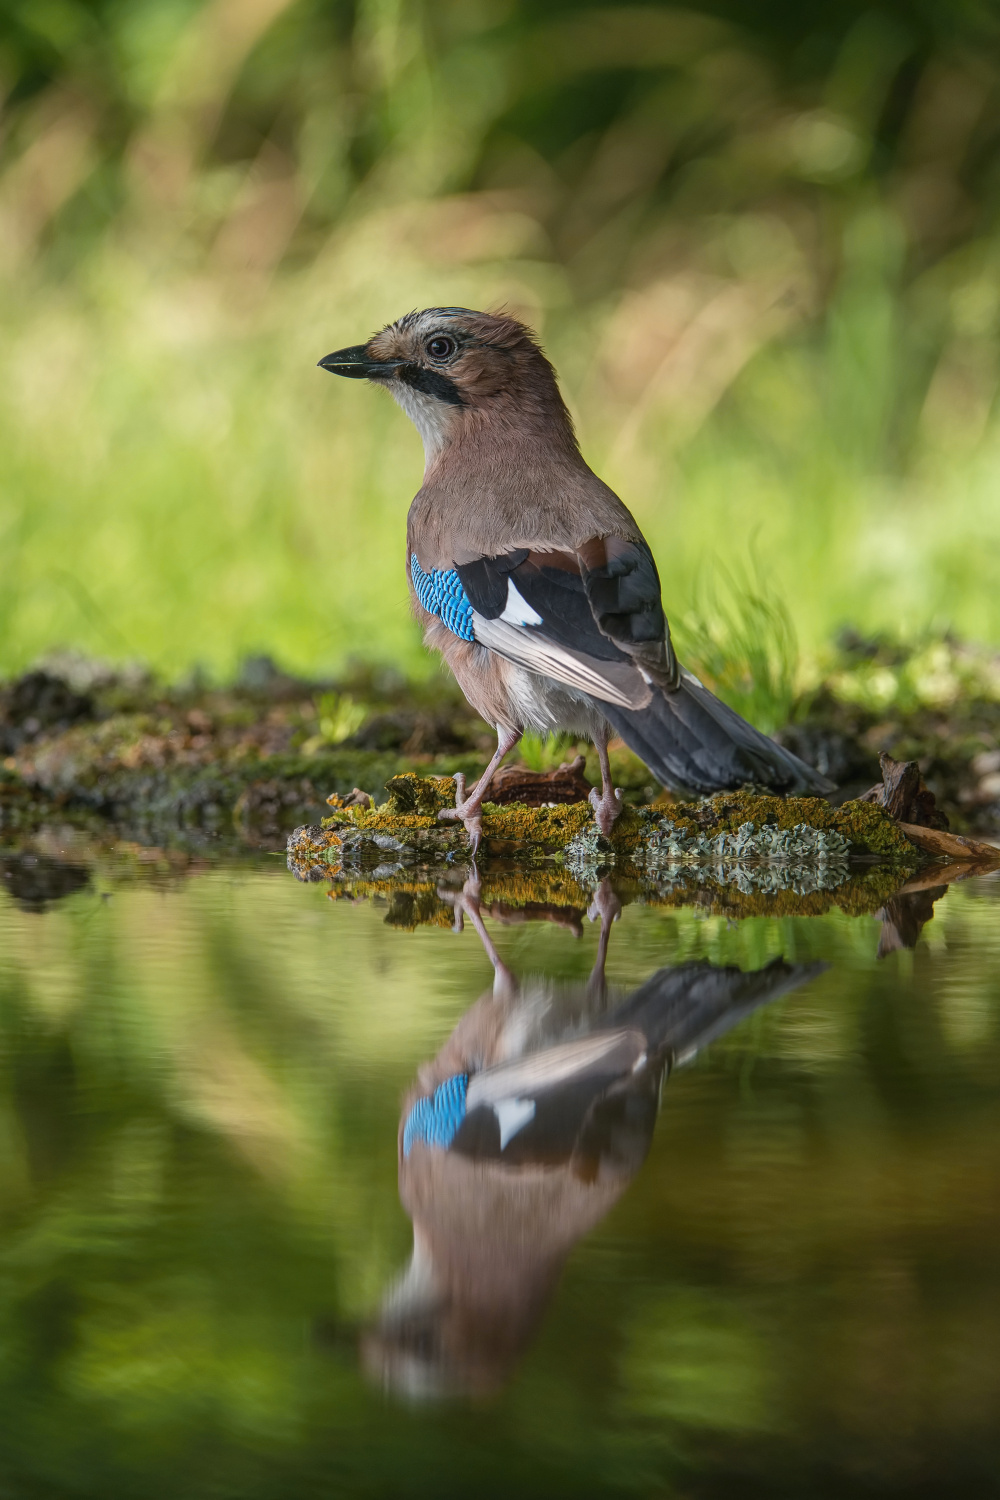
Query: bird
[[519, 1137], [531, 577]]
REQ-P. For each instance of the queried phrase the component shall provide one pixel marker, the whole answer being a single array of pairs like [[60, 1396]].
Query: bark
[[904, 794]]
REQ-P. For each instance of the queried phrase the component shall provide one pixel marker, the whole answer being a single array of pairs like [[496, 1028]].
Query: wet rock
[[39, 703], [35, 882], [314, 852]]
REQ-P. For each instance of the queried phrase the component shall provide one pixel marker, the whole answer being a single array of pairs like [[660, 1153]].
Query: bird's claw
[[607, 807], [468, 809], [605, 904], [464, 901]]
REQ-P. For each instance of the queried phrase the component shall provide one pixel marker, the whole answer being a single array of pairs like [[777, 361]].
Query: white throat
[[429, 416], [416, 1289]]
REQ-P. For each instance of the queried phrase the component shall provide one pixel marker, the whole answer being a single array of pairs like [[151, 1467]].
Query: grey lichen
[[801, 858], [802, 844]]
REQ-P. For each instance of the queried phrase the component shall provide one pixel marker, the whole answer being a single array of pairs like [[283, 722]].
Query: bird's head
[[452, 369]]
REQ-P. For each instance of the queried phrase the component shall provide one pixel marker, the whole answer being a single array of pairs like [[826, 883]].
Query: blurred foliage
[[759, 240], [740, 636], [930, 674], [199, 1114]]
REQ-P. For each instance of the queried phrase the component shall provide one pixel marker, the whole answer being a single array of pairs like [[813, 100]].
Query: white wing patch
[[615, 1051], [517, 610], [610, 682], [512, 1116]]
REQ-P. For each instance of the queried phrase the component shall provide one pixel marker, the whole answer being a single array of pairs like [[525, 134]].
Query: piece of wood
[[952, 845], [904, 794], [535, 788], [900, 783], [907, 910], [930, 876], [903, 918]]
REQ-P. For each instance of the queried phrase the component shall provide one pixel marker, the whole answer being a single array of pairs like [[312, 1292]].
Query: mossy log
[[745, 824], [738, 854]]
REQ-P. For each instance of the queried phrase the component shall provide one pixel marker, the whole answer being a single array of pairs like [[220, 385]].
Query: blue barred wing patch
[[441, 593], [435, 1121]]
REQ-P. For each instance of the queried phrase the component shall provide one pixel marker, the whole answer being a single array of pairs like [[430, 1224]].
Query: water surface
[[770, 1268]]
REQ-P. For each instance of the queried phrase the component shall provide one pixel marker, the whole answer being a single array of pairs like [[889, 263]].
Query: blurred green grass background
[[759, 240]]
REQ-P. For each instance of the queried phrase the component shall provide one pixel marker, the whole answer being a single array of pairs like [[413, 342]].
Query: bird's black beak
[[356, 363]]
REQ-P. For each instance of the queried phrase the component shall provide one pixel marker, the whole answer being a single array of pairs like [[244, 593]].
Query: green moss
[[513, 822], [378, 820], [870, 828], [411, 904], [424, 796], [414, 803], [548, 887], [550, 894], [866, 826], [544, 894]]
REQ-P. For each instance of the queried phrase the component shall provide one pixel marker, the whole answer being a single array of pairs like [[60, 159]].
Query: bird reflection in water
[[520, 1136]]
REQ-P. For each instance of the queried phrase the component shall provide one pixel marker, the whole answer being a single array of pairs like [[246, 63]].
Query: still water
[[715, 1212]]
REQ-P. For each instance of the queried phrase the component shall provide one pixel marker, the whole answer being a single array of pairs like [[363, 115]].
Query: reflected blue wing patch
[[441, 593], [435, 1121]]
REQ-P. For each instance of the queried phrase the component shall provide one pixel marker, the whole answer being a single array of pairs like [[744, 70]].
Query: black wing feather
[[623, 588], [485, 581], [603, 601], [600, 607]]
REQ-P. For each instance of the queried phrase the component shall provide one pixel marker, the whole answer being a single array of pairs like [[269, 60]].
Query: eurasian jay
[[520, 1136], [531, 577]]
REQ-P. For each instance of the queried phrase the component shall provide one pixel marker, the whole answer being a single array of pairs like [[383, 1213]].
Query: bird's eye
[[441, 346]]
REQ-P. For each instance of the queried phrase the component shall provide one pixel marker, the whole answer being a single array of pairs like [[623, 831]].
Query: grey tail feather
[[691, 740], [681, 1010]]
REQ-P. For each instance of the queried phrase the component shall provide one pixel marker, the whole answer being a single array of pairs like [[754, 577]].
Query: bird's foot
[[607, 805], [469, 809], [463, 902], [605, 904]]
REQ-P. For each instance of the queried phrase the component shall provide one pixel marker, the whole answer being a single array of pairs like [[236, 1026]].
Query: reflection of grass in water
[[203, 1126], [697, 1360]]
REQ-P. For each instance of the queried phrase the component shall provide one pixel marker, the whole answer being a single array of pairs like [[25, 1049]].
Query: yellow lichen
[[546, 886], [424, 796], [515, 823], [414, 803], [379, 820], [418, 902], [867, 827]]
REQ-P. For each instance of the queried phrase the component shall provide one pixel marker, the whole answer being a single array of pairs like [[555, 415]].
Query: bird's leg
[[465, 903], [470, 807], [607, 803], [607, 906]]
